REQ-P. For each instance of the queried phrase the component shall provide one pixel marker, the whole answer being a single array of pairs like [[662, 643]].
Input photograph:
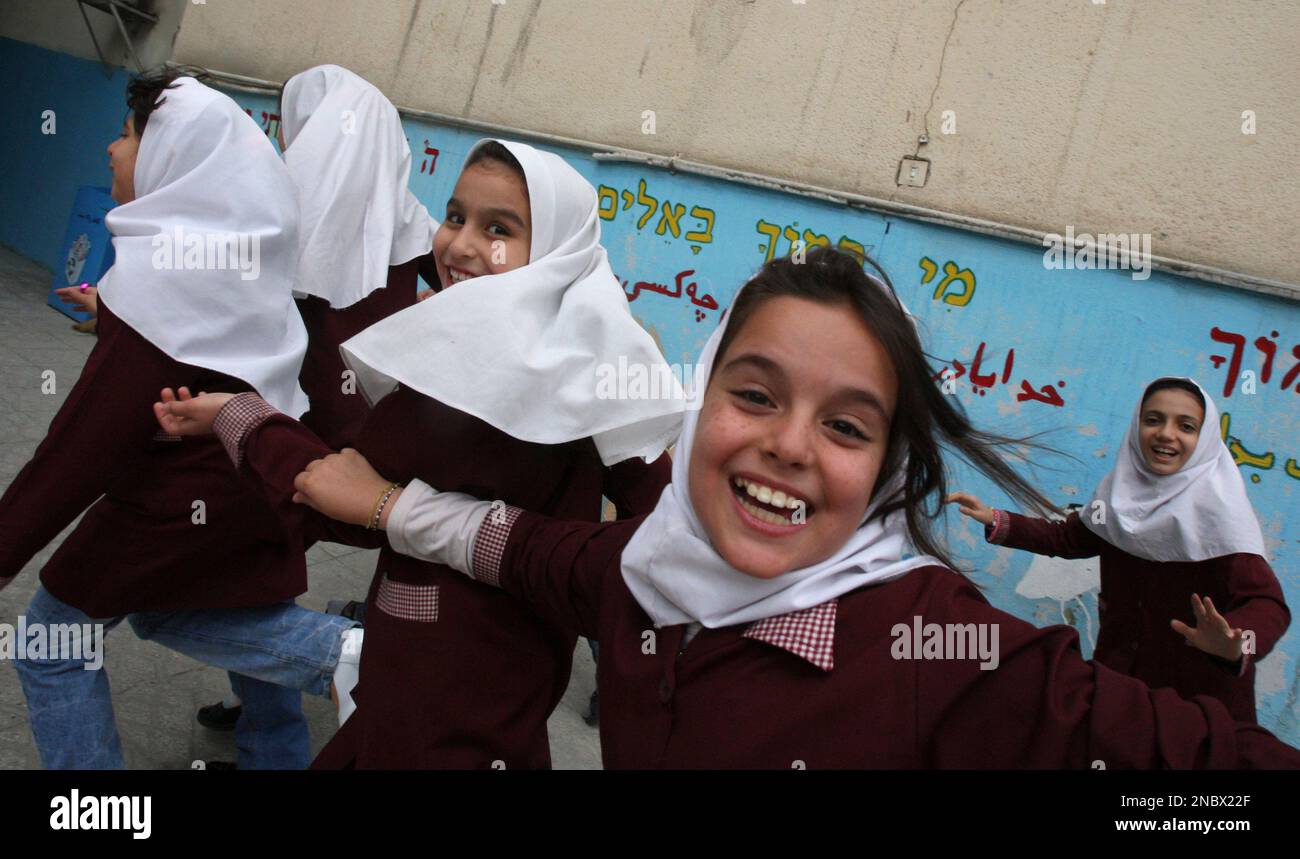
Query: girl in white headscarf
[[769, 612], [489, 386], [206, 242], [363, 239], [1182, 555]]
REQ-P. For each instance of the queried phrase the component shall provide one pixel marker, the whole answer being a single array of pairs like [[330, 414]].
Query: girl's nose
[[790, 441]]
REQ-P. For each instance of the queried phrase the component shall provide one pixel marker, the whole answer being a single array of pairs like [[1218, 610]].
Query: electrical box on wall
[[913, 172]]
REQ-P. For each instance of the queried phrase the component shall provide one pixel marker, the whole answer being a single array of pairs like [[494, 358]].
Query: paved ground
[[156, 691]]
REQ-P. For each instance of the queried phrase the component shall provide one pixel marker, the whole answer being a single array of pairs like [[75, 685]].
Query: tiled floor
[[156, 691]]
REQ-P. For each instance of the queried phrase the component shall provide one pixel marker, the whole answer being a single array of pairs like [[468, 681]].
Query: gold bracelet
[[380, 504]]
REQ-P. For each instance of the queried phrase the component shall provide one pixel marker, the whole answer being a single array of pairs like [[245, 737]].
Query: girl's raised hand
[[1213, 633], [343, 486], [971, 506], [181, 413]]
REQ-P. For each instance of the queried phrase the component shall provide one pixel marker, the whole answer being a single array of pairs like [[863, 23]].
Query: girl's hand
[[343, 486], [186, 414], [1213, 633], [971, 506], [83, 299]]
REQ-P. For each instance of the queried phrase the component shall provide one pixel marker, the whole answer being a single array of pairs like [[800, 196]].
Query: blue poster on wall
[[87, 247]]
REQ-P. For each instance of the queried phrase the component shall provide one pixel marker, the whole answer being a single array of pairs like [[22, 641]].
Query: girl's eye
[[848, 429], [455, 218], [503, 231], [758, 398]]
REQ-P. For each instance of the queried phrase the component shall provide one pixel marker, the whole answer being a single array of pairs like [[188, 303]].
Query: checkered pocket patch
[[407, 601]]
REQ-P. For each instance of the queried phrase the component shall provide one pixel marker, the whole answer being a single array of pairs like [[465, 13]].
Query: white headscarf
[[676, 575], [1199, 512], [205, 174], [523, 350], [348, 156]]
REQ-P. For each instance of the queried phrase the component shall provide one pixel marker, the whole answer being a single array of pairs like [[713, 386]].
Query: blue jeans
[[69, 706], [272, 652]]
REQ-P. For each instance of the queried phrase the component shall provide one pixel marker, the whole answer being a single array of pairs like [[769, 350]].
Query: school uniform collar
[[808, 633]]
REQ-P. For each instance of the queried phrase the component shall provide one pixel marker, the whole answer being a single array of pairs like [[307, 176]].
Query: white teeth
[[768, 495], [764, 515], [456, 276]]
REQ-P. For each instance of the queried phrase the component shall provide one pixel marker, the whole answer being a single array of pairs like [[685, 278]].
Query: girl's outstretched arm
[[1041, 705], [1067, 539], [271, 448], [559, 568]]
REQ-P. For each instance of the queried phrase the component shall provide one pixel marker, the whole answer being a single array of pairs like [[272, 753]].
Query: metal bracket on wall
[[140, 20]]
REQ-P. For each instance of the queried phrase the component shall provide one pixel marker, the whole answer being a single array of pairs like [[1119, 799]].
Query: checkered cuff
[[490, 543], [996, 531], [237, 418]]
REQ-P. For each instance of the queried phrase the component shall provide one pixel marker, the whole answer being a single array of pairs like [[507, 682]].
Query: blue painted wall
[[1085, 342]]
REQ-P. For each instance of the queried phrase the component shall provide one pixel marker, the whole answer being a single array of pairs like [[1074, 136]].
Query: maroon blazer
[[454, 674], [730, 701], [140, 546], [1139, 597], [338, 411]]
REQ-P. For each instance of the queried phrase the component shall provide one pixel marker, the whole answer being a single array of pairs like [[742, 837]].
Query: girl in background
[[363, 238], [1179, 542]]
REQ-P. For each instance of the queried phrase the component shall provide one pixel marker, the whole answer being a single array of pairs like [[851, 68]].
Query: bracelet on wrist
[[382, 502]]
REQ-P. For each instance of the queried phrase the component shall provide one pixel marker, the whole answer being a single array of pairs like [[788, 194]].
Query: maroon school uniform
[[454, 674], [820, 688], [337, 412], [140, 546], [1139, 598]]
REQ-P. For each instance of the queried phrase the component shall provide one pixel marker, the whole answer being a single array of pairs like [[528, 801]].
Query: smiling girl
[[752, 619], [1178, 541], [481, 388]]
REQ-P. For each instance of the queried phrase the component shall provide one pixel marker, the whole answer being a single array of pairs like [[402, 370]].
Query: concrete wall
[[1113, 116]]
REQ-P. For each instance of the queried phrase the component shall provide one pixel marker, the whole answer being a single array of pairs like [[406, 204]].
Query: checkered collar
[[808, 633]]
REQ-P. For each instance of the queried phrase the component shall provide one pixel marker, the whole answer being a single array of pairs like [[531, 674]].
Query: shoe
[[351, 609], [348, 672], [592, 716], [219, 717]]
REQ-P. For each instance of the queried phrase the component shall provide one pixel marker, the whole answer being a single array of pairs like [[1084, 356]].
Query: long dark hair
[[925, 419], [146, 92]]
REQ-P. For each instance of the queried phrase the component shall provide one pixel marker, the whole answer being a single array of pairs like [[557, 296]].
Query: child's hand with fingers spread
[[343, 486], [181, 413], [1213, 633], [971, 506]]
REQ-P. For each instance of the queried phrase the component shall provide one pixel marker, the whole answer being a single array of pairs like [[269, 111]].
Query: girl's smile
[[792, 435], [1170, 430]]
